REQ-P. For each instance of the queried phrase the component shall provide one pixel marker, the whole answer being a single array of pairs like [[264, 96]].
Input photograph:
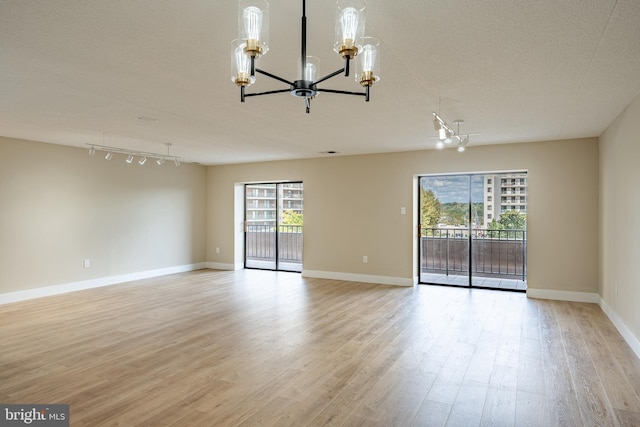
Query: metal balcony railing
[[495, 253], [261, 242]]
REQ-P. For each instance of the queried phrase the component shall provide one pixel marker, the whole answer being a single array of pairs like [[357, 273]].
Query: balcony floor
[[479, 282]]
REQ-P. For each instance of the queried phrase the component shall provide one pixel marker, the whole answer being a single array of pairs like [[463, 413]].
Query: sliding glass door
[[273, 226], [473, 230]]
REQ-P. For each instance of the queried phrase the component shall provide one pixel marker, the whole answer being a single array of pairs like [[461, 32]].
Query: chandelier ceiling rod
[[306, 87], [303, 42]]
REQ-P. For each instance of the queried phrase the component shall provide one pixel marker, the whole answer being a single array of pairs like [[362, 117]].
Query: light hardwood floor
[[262, 348]]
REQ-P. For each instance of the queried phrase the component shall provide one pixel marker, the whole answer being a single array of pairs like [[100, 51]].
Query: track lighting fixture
[[160, 158], [446, 134], [253, 42]]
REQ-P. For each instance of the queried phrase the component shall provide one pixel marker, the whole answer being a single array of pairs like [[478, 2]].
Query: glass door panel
[[444, 229], [500, 243], [290, 226], [260, 226]]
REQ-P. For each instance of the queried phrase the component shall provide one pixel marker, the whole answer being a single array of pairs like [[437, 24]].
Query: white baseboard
[[94, 283], [626, 333], [221, 266], [563, 295], [365, 278]]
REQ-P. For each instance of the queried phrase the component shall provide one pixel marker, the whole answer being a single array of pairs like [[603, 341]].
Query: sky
[[454, 188]]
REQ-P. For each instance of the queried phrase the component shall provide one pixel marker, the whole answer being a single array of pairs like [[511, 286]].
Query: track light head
[[447, 138], [92, 150], [160, 161], [129, 158], [142, 161], [176, 161], [464, 141], [109, 155]]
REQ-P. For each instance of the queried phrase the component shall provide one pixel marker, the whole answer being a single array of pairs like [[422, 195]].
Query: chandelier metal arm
[[269, 92], [343, 92], [327, 77], [243, 93], [273, 76]]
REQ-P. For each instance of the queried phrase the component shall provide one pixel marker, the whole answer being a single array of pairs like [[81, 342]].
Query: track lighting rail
[[160, 158]]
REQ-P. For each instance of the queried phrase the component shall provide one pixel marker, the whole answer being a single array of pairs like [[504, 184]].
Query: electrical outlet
[[217, 250], [403, 210], [365, 259], [87, 263]]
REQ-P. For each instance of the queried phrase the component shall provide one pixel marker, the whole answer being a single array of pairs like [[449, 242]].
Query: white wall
[[620, 220], [352, 208], [61, 206]]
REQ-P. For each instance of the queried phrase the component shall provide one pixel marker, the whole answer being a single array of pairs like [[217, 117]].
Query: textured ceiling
[[77, 72]]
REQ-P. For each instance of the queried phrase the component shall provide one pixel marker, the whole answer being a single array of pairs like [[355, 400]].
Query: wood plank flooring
[[263, 348]]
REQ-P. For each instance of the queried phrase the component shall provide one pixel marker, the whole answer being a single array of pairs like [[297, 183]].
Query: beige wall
[[620, 216], [61, 206], [352, 208]]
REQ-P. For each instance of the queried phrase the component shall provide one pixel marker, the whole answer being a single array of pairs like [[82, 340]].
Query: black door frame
[[470, 230], [277, 226]]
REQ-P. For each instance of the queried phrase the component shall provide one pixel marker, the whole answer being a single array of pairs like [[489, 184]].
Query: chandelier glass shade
[[253, 26], [368, 68], [350, 23], [240, 65], [252, 43]]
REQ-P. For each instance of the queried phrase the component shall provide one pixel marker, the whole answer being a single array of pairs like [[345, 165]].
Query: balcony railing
[[261, 243], [496, 253]]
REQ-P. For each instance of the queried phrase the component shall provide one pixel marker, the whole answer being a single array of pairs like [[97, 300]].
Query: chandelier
[[252, 43]]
